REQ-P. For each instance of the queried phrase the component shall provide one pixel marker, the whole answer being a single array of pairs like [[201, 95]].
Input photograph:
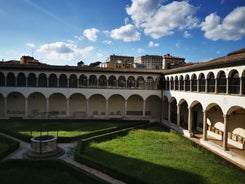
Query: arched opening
[[102, 81], [42, 80], [97, 105], [36, 104], [92, 81], [194, 82], [135, 106], [243, 82], [197, 117], [57, 104], [21, 80], [202, 85], [165, 108], [171, 83], [153, 106], [140, 82], [167, 83], [11, 79], [78, 105], [52, 80], [121, 82], [116, 106], [176, 83], [221, 82], [112, 82], [131, 82], [173, 111], [32, 80], [183, 114], [83, 81], [2, 79], [210, 82], [63, 81], [73, 81], [181, 83], [234, 82], [2, 106], [16, 105], [149, 83], [187, 83]]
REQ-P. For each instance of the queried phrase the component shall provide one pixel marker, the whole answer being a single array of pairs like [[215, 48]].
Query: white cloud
[[91, 34], [32, 45], [63, 51], [159, 20], [152, 44], [127, 33], [231, 28], [187, 34], [140, 50], [177, 45], [108, 42]]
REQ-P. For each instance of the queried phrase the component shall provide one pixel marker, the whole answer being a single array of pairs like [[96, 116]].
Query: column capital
[[225, 115]]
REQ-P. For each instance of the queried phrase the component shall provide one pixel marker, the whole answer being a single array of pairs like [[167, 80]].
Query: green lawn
[[156, 156], [64, 128]]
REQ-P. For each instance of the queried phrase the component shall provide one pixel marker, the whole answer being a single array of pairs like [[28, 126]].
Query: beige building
[[169, 62], [116, 61], [150, 62]]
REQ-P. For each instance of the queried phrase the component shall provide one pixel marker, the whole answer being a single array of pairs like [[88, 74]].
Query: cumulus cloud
[[187, 34], [127, 33], [63, 51], [140, 50], [108, 42], [231, 28], [91, 34], [152, 44], [159, 20]]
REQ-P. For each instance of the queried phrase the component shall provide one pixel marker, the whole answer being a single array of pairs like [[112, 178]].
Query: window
[[194, 83], [234, 86], [21, 80], [2, 79], [140, 82], [83, 81], [176, 83], [187, 83], [210, 82], [63, 81], [121, 82], [32, 81], [172, 83], [42, 80], [112, 82], [92, 81], [181, 83], [73, 81], [102, 81], [52, 80], [221, 82], [131, 82], [10, 79], [201, 83]]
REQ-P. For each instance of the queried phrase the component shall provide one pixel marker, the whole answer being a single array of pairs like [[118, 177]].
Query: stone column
[[67, 107], [198, 85], [206, 85], [125, 107], [169, 112], [225, 133], [47, 104], [241, 85], [5, 106], [190, 121], [227, 85], [106, 107], [143, 108], [26, 107], [216, 86], [204, 125], [178, 115], [87, 108]]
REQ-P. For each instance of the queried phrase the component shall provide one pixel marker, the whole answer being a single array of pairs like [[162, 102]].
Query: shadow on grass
[[133, 170]]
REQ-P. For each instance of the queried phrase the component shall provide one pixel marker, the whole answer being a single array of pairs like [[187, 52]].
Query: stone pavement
[[68, 157]]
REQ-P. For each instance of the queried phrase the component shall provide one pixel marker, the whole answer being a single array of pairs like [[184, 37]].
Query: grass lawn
[[64, 128], [155, 155], [42, 172]]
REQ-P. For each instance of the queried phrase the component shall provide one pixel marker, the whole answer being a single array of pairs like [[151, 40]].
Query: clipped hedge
[[12, 146], [55, 165]]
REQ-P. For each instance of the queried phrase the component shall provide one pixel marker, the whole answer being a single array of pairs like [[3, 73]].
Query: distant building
[[150, 62], [28, 60], [172, 62], [115, 61]]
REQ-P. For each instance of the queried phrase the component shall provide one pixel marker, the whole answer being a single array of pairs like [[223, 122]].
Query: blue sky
[[64, 32]]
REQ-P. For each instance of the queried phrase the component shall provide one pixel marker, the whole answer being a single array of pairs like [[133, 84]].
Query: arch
[[36, 104], [173, 110], [57, 104], [78, 105], [210, 82], [42, 80], [63, 81], [197, 116], [122, 82], [112, 81], [234, 82], [2, 106], [32, 80], [116, 106], [149, 82], [165, 108], [16, 104], [221, 82], [73, 81], [153, 106], [11, 79], [92, 81], [201, 83], [140, 83], [21, 80], [194, 82], [97, 105], [131, 82], [176, 83], [171, 83], [187, 83], [2, 79], [52, 81], [181, 83], [183, 109], [135, 105], [102, 81], [83, 81]]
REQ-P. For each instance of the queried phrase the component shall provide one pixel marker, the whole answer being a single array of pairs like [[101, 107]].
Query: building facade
[[150, 62], [208, 98], [118, 62]]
